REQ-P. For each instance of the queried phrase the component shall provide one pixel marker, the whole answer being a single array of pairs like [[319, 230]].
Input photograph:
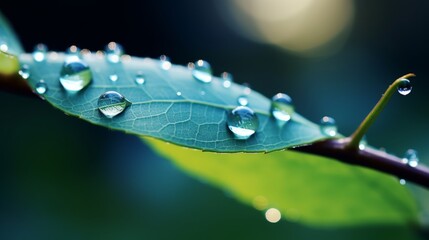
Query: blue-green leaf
[[171, 104]]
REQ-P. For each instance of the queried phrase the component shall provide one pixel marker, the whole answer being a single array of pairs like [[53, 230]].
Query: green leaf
[[305, 188], [8, 38], [194, 118]]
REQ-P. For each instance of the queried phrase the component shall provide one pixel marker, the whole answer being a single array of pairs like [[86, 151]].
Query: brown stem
[[368, 157]]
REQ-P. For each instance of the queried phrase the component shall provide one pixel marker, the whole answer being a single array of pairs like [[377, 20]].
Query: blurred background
[[63, 178]]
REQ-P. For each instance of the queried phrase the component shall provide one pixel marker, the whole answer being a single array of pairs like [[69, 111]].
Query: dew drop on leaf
[[281, 107], [328, 126], [402, 181], [139, 78], [73, 50], [411, 158], [75, 74], [227, 79], [3, 46], [165, 62], [202, 71], [243, 100], [242, 122], [113, 77], [24, 72], [39, 52], [41, 87], [112, 103], [114, 52], [405, 87]]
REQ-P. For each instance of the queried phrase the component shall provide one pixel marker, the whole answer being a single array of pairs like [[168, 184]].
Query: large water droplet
[[328, 126], [24, 71], [39, 52], [227, 79], [243, 100], [165, 62], [242, 122], [411, 158], [404, 87], [75, 74], [41, 87], [112, 103], [202, 71], [281, 107], [139, 78], [113, 52]]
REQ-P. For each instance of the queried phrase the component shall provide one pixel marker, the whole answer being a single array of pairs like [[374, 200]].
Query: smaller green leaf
[[305, 188], [9, 42]]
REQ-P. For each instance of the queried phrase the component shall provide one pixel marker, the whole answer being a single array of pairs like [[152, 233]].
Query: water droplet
[[139, 78], [112, 103], [202, 71], [113, 77], [404, 87], [203, 93], [41, 87], [75, 74], [411, 158], [191, 65], [247, 90], [328, 126], [243, 100], [3, 47], [24, 71], [273, 215], [281, 107], [113, 52], [363, 143], [402, 181], [242, 122], [179, 93], [165, 62], [39, 52], [73, 50], [227, 79]]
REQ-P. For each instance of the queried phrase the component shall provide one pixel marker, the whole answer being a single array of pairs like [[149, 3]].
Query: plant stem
[[356, 137], [368, 157]]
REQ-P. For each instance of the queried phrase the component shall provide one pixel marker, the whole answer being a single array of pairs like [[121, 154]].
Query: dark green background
[[62, 178]]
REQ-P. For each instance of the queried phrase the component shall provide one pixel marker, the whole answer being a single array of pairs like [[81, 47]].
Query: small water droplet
[[273, 215], [203, 93], [112, 103], [179, 93], [404, 88], [73, 50], [3, 47], [402, 181], [281, 107], [191, 65], [328, 126], [227, 79], [202, 71], [165, 62], [363, 143], [242, 122], [139, 78], [247, 89], [113, 77], [39, 52], [41, 87], [411, 158], [243, 100], [75, 74], [24, 71], [114, 52]]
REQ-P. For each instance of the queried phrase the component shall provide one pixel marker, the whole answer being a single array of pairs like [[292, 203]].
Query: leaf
[[305, 188], [8, 38], [194, 118]]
